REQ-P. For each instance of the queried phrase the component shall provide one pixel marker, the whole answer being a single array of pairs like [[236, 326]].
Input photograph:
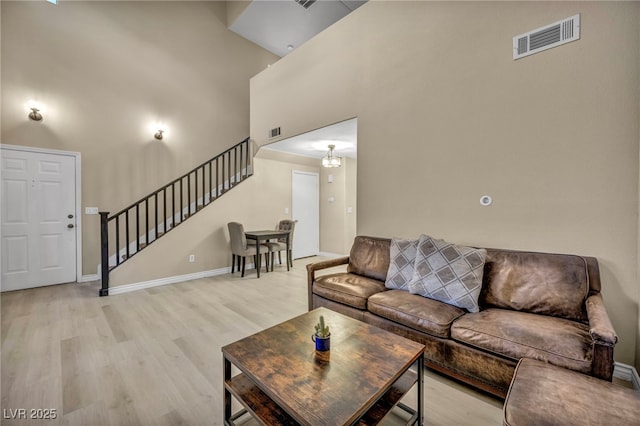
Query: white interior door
[[305, 210], [38, 220]]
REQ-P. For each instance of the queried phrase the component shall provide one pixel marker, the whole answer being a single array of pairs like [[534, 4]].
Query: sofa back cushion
[[540, 283], [369, 257]]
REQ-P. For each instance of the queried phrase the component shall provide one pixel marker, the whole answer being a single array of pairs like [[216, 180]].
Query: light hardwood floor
[[152, 357]]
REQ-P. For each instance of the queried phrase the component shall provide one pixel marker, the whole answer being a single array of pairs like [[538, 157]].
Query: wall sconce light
[[35, 114], [36, 109], [159, 130], [330, 160]]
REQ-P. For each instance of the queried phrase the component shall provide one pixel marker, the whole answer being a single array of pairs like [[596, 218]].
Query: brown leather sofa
[[532, 305]]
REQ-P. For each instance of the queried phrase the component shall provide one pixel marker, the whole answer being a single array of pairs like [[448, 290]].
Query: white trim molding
[[89, 278], [627, 373], [168, 280]]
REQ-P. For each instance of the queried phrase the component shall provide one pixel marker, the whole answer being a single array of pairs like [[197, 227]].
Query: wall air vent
[[274, 133], [544, 38], [305, 3]]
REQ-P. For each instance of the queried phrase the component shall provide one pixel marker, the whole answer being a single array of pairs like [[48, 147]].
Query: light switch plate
[[90, 210]]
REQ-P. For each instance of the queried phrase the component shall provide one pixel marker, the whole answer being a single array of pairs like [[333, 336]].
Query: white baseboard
[[88, 278], [627, 373], [168, 280]]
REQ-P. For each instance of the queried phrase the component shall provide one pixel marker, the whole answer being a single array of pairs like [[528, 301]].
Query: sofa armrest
[[604, 337], [317, 266], [600, 326]]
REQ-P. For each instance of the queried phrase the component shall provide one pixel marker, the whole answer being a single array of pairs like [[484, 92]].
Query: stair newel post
[[104, 252]]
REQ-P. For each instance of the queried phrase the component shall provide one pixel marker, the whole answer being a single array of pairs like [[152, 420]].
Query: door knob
[[70, 216], [70, 225]]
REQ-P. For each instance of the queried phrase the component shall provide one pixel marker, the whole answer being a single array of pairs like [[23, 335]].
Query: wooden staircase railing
[[151, 217]]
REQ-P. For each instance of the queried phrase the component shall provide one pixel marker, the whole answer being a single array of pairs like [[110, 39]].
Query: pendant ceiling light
[[331, 160]]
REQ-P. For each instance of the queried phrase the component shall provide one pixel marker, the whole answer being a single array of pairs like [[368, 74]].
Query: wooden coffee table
[[284, 381]]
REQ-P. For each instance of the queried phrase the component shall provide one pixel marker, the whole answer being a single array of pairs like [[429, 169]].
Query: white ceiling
[[277, 24], [316, 142]]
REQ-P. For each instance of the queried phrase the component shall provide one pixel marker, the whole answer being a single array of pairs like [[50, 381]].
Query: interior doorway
[[337, 206]]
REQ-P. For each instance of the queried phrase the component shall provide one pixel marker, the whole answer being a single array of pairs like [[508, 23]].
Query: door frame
[[78, 190]]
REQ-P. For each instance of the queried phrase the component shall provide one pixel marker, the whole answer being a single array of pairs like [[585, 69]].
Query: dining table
[[264, 236]]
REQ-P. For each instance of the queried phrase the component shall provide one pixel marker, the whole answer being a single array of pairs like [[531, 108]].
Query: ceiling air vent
[[274, 133], [547, 37], [305, 3]]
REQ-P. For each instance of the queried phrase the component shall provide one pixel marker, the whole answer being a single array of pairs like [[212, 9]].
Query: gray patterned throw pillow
[[449, 273], [402, 257]]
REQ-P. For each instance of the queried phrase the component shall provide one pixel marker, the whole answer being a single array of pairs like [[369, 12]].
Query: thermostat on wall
[[486, 200]]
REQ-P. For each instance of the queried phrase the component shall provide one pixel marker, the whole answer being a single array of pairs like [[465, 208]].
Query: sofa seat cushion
[[420, 313], [518, 335], [347, 288]]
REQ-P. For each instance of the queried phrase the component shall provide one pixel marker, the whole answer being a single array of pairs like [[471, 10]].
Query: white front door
[[305, 210], [37, 219]]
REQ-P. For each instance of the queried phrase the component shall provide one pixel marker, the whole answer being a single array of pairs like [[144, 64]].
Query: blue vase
[[322, 343]]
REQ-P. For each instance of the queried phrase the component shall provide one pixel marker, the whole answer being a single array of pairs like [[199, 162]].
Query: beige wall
[[351, 228], [337, 226], [106, 71], [445, 116]]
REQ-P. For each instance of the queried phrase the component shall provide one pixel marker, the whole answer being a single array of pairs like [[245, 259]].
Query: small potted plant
[[322, 336]]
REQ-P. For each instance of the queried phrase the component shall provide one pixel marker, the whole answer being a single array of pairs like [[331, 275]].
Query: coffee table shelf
[[391, 399], [258, 404]]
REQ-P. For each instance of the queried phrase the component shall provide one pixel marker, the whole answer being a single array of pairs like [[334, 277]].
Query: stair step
[[198, 208]]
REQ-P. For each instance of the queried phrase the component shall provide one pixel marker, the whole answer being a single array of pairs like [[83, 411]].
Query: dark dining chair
[[281, 245], [240, 249]]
